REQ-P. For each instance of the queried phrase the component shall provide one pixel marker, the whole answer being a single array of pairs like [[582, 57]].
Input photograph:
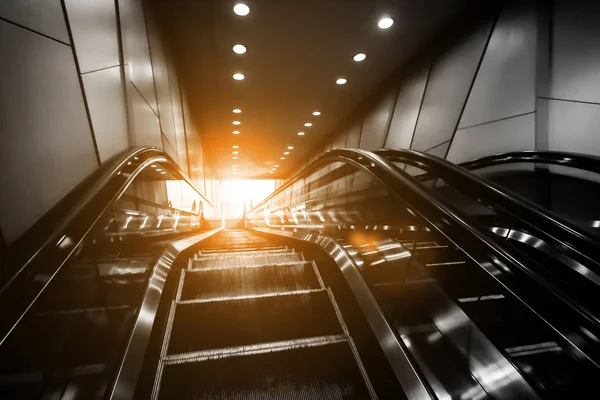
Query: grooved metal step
[[231, 261]]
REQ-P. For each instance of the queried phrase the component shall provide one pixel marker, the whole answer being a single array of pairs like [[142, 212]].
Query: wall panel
[[46, 145], [376, 123], [574, 127], [144, 124], [407, 109], [353, 137], [505, 83], [449, 82], [45, 17], [513, 134]]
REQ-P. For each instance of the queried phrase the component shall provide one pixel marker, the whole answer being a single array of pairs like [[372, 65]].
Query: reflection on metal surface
[[404, 371], [131, 365]]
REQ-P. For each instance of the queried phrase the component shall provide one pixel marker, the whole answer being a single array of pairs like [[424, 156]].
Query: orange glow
[[238, 192]]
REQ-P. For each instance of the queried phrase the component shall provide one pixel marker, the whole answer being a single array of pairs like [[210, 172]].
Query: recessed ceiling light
[[241, 9], [238, 76], [153, 165], [300, 133], [237, 111], [290, 147], [239, 49], [359, 57], [235, 152], [285, 153], [164, 173], [317, 113], [341, 81], [282, 158], [234, 158], [236, 132], [385, 23], [272, 172], [235, 146], [276, 165], [308, 124], [234, 166], [236, 122]]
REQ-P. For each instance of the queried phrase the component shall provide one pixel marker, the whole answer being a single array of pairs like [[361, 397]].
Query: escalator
[[351, 281]]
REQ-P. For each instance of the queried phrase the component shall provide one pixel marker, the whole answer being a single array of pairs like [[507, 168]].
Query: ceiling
[[295, 52]]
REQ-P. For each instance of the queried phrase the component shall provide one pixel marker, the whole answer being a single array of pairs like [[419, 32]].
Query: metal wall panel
[[94, 28], [353, 137], [505, 83], [405, 115], [46, 146], [511, 134], [145, 127], [45, 16], [376, 123], [339, 141], [106, 102], [447, 89], [439, 150], [135, 49], [574, 126], [575, 58]]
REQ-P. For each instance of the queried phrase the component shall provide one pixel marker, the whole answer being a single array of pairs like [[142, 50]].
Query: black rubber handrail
[[563, 233], [575, 160], [41, 252], [563, 314]]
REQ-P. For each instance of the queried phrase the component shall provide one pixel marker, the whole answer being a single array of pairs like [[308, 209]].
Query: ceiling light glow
[[359, 57], [385, 23], [236, 122], [235, 152], [238, 76], [282, 158], [241, 9], [234, 158], [239, 49], [235, 146], [236, 132], [286, 153], [276, 165], [300, 133], [308, 124], [317, 113], [341, 81], [237, 111], [290, 147]]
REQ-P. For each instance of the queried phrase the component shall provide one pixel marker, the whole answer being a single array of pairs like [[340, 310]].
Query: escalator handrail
[[467, 235], [64, 227], [575, 160], [564, 232]]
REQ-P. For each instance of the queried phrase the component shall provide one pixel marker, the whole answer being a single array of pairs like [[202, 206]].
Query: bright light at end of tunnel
[[359, 57], [308, 124], [236, 132], [241, 9], [237, 111], [317, 113], [238, 77], [239, 49], [341, 81], [300, 133], [385, 23], [236, 122]]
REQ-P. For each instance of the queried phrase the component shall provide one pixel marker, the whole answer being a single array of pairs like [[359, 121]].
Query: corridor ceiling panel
[[296, 53]]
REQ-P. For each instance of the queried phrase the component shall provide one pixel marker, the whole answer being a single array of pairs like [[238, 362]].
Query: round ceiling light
[[308, 124], [236, 132], [241, 9], [317, 113], [237, 111], [234, 166], [235, 152], [272, 172], [385, 23], [239, 49], [235, 146], [359, 57], [238, 77], [276, 165], [300, 133], [236, 122], [290, 147], [234, 158], [341, 81], [285, 153], [282, 158]]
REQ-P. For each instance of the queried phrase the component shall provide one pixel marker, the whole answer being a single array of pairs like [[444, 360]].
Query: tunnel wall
[[526, 76], [82, 80]]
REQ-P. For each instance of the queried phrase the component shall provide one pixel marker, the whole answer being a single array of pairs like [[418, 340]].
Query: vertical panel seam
[[187, 149], [151, 67], [81, 87], [389, 121], [362, 123], [464, 106]]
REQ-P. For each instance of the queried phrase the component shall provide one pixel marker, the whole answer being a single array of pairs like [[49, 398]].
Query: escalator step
[[224, 324], [246, 261], [233, 282], [324, 372]]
